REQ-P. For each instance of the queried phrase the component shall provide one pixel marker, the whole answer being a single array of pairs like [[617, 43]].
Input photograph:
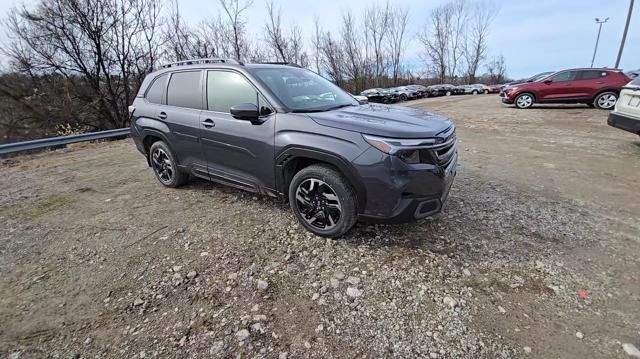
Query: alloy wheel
[[524, 101], [318, 204], [607, 101], [162, 165]]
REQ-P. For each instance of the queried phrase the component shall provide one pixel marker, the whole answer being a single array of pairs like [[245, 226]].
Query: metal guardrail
[[61, 140]]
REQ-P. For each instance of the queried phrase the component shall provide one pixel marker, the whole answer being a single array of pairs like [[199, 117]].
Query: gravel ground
[[535, 255]]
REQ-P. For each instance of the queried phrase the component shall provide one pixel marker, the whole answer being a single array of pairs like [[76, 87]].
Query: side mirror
[[362, 99], [245, 111]]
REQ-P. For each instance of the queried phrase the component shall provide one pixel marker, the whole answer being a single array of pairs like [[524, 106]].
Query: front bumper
[[399, 192], [624, 122]]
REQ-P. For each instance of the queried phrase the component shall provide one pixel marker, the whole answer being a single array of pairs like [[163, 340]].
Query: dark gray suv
[[284, 131]]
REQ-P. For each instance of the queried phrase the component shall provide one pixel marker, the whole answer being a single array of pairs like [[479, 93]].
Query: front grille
[[441, 154]]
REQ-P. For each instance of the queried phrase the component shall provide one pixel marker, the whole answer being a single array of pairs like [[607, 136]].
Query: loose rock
[[242, 334]]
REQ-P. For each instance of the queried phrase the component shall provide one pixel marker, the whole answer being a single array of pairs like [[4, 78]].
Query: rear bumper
[[624, 122], [398, 192]]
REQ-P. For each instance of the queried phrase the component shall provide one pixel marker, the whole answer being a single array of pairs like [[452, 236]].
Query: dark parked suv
[[285, 131]]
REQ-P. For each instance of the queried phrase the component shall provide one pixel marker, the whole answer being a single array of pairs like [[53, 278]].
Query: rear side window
[[156, 90], [185, 90], [636, 81], [565, 76], [592, 74], [226, 89]]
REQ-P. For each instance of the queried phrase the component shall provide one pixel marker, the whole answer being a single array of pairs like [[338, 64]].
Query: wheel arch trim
[[296, 152]]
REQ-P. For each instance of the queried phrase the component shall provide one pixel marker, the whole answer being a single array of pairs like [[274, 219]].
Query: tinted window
[[226, 89], [564, 76], [592, 74], [155, 91], [636, 81], [185, 90]]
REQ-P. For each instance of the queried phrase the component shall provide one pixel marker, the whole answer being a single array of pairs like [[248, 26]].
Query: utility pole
[[599, 22], [624, 34]]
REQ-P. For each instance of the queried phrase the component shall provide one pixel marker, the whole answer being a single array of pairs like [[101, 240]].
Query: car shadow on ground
[[481, 220]]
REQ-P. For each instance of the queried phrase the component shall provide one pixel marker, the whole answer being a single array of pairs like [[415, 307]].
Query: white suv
[[626, 115]]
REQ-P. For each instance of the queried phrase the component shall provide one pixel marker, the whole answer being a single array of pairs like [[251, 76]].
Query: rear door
[[182, 115], [590, 82], [559, 87], [238, 152]]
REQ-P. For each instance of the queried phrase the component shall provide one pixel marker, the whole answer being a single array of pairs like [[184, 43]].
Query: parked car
[[381, 95], [285, 131], [445, 90], [533, 78], [474, 89], [405, 93], [421, 91], [495, 88], [626, 115], [594, 87]]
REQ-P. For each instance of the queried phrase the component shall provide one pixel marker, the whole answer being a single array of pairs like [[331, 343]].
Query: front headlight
[[393, 145]]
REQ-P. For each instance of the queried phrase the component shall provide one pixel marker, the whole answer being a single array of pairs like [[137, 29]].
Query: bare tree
[[497, 70], [96, 46], [274, 36], [376, 24], [234, 10], [435, 39], [398, 19], [332, 59], [352, 47], [459, 15], [475, 41], [316, 42]]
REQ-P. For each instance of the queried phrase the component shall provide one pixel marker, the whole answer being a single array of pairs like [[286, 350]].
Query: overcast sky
[[533, 36]]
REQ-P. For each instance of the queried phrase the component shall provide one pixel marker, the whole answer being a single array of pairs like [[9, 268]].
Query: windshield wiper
[[324, 109]]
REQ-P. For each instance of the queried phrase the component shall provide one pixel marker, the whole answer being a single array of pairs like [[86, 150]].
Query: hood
[[384, 121]]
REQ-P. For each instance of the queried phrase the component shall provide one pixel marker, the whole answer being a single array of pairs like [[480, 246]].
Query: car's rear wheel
[[165, 166], [403, 97], [524, 100], [486, 92], [323, 201], [474, 92], [606, 100], [448, 93]]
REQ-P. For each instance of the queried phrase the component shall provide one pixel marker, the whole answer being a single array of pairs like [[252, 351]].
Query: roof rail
[[202, 61], [279, 63]]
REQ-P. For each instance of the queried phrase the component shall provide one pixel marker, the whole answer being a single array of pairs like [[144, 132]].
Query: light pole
[[624, 34], [599, 22]]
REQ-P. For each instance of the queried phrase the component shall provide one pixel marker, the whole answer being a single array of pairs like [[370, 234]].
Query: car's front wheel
[[448, 93], [524, 100], [606, 100], [165, 166], [474, 92], [323, 201]]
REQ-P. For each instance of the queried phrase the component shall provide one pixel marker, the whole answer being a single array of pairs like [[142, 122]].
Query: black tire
[[524, 100], [448, 93], [606, 100], [474, 92], [160, 154], [486, 92], [403, 97], [304, 210]]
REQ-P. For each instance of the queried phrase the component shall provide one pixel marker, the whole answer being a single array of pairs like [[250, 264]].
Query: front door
[[238, 152], [559, 87]]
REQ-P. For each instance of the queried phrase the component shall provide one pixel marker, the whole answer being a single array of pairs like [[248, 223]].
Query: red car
[[594, 87]]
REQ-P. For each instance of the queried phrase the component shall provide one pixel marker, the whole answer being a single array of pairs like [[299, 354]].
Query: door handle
[[208, 123], [162, 115]]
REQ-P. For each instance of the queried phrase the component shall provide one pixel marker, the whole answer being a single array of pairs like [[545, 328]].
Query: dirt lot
[[536, 255]]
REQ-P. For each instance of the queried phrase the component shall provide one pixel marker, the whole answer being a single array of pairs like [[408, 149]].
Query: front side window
[[226, 89], [156, 90], [301, 90], [185, 90], [564, 76]]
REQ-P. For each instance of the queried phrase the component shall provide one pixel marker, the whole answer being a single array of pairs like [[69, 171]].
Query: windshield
[[301, 90], [539, 76]]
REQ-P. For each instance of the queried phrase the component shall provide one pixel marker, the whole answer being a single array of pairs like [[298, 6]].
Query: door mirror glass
[[245, 111]]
